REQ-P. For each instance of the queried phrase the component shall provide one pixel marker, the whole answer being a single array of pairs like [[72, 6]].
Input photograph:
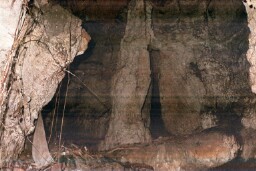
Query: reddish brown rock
[[201, 151]]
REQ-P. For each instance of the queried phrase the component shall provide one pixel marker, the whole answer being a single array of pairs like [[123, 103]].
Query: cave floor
[[78, 157]]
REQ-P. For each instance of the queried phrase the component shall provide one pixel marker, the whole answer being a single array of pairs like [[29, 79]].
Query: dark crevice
[[156, 125]]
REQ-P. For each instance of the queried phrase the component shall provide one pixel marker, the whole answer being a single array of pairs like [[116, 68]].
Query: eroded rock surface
[[12, 15], [250, 9], [199, 49], [89, 94], [53, 38], [130, 84], [248, 144], [201, 151], [197, 40]]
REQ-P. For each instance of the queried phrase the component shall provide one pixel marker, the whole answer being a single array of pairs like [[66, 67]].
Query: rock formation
[[12, 18], [131, 83], [191, 55], [195, 75], [200, 151], [52, 37], [250, 9], [199, 65], [249, 118]]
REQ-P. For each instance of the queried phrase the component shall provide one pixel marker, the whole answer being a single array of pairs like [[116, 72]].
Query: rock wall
[[249, 117], [12, 20], [53, 37], [12, 15], [250, 9], [95, 10], [88, 104], [202, 66], [199, 48]]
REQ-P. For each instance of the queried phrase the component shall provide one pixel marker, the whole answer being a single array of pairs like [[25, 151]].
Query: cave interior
[[197, 86]]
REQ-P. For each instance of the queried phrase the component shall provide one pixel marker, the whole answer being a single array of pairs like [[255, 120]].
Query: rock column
[[131, 83]]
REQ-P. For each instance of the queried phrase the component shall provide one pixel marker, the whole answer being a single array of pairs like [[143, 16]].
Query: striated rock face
[[12, 20], [12, 15], [196, 152], [131, 83], [50, 44]]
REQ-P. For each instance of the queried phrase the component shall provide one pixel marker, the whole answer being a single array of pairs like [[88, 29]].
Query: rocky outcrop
[[53, 38], [131, 83], [201, 151]]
